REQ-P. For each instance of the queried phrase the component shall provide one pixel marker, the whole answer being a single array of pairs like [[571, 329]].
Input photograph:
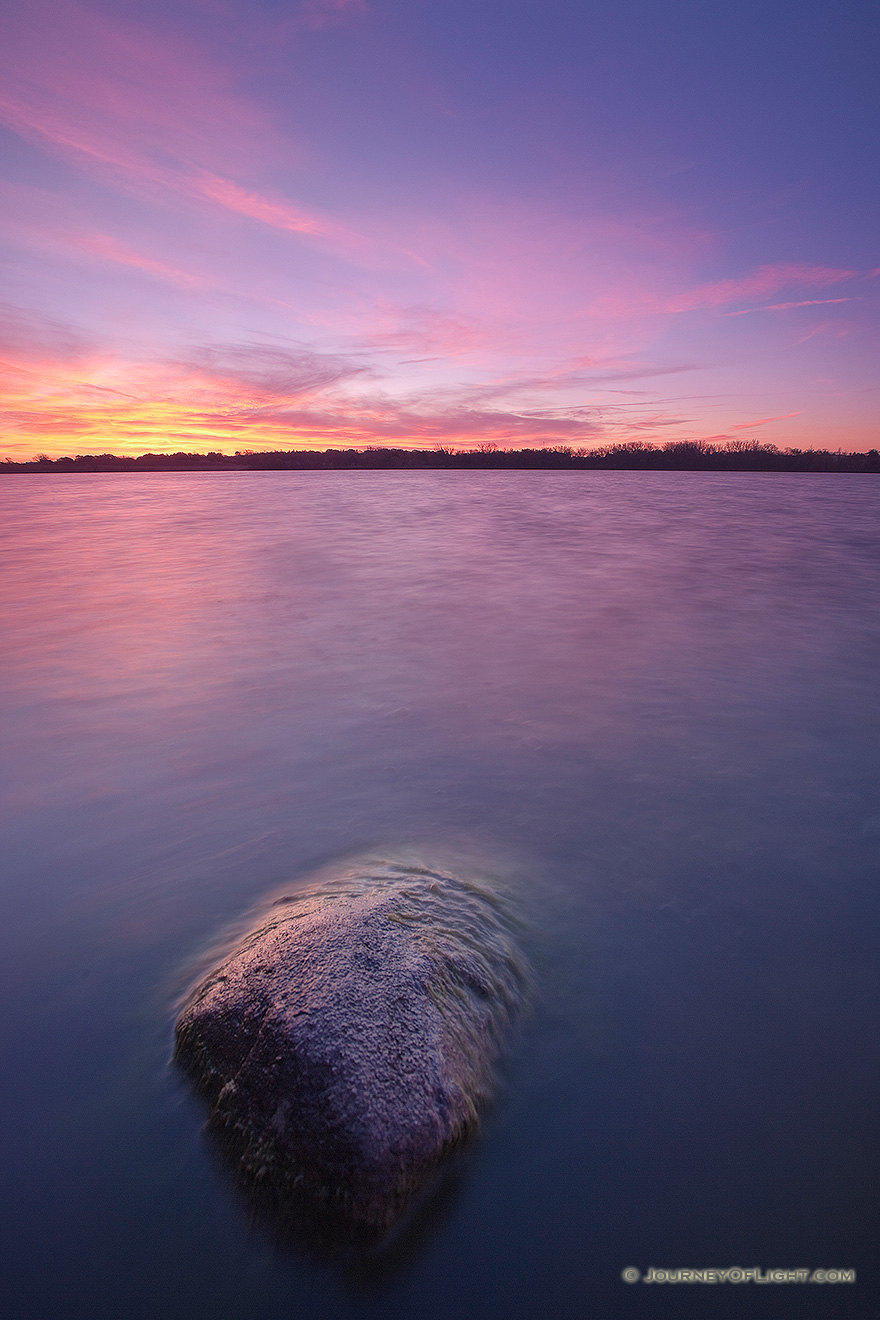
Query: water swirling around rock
[[349, 1042]]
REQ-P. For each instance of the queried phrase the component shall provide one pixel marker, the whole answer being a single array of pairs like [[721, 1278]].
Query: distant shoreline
[[636, 457]]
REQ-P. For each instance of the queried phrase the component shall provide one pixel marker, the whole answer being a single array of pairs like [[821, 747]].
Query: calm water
[[649, 702]]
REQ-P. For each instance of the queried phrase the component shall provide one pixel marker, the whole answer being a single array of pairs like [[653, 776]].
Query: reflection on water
[[649, 700]]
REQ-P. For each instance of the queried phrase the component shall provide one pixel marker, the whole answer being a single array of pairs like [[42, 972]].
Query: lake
[[649, 703]]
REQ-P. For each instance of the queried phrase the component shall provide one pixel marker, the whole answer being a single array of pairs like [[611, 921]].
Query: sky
[[271, 224]]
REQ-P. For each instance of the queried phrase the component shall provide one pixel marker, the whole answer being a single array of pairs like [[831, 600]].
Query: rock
[[350, 1041]]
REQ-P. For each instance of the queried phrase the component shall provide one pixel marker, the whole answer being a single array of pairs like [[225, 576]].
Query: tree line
[[637, 455]]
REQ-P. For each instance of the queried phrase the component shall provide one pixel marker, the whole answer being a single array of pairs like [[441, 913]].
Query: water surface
[[647, 701]]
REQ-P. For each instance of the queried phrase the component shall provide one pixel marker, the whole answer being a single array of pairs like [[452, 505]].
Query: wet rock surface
[[349, 1043]]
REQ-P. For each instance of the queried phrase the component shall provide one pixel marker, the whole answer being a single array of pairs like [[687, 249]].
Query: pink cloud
[[541, 306], [203, 186], [146, 112], [120, 93], [110, 249], [37, 219], [764, 421], [278, 215], [491, 280], [786, 306], [765, 280], [426, 330], [643, 304], [28, 339], [528, 274], [824, 328], [269, 397]]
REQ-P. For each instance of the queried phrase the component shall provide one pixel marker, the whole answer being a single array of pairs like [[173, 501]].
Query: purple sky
[[258, 225]]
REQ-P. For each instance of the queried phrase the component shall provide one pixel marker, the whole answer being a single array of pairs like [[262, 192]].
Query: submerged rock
[[349, 1042]]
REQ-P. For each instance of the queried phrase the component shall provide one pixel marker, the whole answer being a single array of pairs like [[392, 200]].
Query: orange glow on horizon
[[64, 408]]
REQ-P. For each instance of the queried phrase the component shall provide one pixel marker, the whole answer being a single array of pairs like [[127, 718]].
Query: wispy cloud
[[267, 372], [426, 330], [276, 214], [107, 248], [124, 94], [786, 306], [148, 113], [29, 338], [266, 396], [766, 280], [192, 207], [765, 421]]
